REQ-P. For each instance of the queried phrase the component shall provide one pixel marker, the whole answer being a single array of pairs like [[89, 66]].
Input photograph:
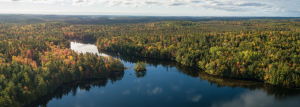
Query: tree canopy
[[35, 59]]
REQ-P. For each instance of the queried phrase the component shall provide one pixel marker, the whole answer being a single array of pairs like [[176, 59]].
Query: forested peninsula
[[35, 59]]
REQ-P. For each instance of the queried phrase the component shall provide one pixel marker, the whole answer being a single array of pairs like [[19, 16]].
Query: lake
[[165, 83]]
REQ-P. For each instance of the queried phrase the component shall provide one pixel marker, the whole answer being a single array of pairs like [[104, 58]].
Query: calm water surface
[[167, 83]]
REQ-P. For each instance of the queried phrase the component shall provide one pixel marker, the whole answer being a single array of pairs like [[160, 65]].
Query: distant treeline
[[119, 19]]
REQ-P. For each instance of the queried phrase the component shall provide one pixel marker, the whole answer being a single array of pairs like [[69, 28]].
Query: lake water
[[166, 83]]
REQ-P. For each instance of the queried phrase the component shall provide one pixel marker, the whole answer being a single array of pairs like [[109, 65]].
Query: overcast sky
[[285, 8]]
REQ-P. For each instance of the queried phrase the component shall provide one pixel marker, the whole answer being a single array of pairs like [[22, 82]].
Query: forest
[[36, 59], [259, 49]]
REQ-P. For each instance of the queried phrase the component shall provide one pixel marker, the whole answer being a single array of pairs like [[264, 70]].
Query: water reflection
[[140, 74], [72, 88], [257, 98], [276, 91], [83, 48], [167, 83]]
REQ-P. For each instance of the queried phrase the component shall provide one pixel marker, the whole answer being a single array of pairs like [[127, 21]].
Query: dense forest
[[265, 50], [35, 59]]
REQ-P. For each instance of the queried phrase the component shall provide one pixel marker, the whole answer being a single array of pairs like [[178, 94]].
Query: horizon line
[[135, 15]]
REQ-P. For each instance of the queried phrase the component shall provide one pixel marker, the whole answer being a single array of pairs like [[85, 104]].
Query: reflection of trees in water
[[83, 41], [133, 59], [277, 91], [73, 88], [140, 74]]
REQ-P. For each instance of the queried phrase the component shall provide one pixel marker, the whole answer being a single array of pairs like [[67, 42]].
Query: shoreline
[[68, 84], [247, 79]]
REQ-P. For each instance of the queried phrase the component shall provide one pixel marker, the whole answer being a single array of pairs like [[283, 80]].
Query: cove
[[165, 83]]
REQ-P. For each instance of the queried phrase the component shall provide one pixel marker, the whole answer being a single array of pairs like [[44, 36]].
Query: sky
[[273, 8]]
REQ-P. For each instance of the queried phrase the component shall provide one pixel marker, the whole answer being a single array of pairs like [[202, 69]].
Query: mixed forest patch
[[35, 60], [267, 50]]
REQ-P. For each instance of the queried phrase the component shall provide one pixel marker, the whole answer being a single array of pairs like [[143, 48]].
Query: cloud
[[196, 1], [153, 2], [222, 5], [136, 5], [232, 6], [115, 3], [257, 98], [251, 4], [152, 7], [155, 91], [176, 4], [194, 98]]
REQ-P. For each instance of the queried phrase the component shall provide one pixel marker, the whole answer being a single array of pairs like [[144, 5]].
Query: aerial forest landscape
[[138, 58]]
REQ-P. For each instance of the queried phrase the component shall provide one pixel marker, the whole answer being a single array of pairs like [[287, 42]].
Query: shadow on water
[[278, 91], [72, 88]]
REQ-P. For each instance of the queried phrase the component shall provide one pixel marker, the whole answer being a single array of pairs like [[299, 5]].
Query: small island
[[140, 66]]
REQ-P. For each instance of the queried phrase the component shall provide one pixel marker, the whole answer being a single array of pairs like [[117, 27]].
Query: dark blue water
[[168, 83]]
